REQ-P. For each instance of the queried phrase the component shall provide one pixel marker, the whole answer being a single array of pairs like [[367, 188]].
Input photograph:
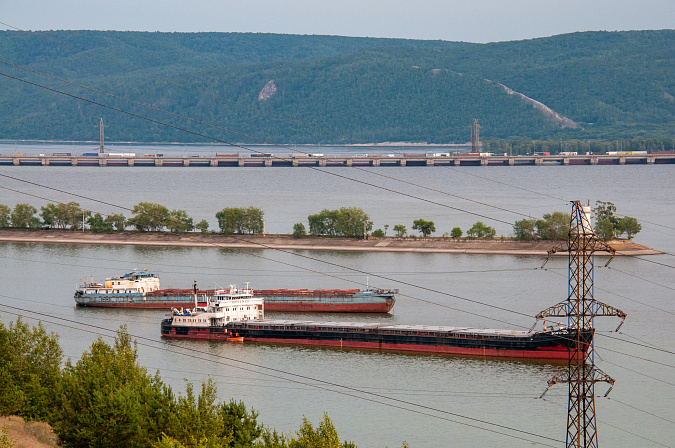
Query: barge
[[218, 321], [142, 290]]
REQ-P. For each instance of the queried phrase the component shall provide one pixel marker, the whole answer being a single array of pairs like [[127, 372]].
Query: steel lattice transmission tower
[[475, 142], [580, 308]]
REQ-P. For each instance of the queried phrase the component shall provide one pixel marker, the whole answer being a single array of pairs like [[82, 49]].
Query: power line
[[253, 150], [324, 385], [88, 53]]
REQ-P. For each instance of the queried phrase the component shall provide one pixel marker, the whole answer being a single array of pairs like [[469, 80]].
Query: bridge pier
[[268, 162], [213, 162], [240, 162], [376, 162], [158, 162], [650, 159], [594, 161], [457, 162], [401, 162], [430, 162], [186, 162], [483, 161], [538, 161], [130, 162], [16, 161], [511, 161], [349, 162], [322, 162]]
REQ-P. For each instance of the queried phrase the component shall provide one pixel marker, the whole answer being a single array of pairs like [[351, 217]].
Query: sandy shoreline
[[420, 245]]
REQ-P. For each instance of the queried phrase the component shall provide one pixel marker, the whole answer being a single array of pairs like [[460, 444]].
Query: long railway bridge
[[320, 160]]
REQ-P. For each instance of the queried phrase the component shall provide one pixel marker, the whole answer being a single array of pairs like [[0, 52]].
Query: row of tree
[[556, 226], [349, 222], [106, 399]]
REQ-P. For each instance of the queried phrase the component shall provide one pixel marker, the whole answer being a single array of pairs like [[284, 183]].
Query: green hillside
[[331, 89]]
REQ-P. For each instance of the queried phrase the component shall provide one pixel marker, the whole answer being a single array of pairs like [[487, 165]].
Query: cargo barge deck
[[552, 344]]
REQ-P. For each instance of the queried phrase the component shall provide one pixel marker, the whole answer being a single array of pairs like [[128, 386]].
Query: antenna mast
[[580, 308]]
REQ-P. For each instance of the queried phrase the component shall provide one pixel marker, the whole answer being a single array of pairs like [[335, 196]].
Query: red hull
[[560, 353], [142, 305], [328, 307]]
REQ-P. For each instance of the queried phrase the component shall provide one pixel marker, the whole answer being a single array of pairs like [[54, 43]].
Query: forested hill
[[333, 89]]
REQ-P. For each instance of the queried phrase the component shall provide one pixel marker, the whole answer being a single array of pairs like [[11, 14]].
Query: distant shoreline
[[286, 242]]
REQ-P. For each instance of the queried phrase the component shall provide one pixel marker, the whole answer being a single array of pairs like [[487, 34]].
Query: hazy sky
[[468, 20]]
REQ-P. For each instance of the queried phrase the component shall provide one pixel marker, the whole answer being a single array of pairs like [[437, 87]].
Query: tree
[[49, 213], [299, 230], [98, 224], [400, 230], [630, 226], [22, 216], [456, 232], [240, 220], [604, 229], [480, 230], [426, 228], [107, 399], [554, 226], [179, 222], [29, 370], [323, 223], [149, 217], [605, 211], [117, 220], [386, 227], [350, 222], [379, 233], [202, 226], [525, 229], [4, 216], [70, 215], [254, 220], [325, 436]]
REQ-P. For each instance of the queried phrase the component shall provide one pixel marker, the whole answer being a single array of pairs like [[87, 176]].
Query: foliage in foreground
[[107, 399]]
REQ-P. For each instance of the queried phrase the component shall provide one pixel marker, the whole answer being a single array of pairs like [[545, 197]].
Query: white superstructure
[[134, 282], [225, 305]]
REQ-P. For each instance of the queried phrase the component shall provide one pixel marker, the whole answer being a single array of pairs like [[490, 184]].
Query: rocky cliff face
[[268, 91]]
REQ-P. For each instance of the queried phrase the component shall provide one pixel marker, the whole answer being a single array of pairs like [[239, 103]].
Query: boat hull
[[537, 345], [297, 301]]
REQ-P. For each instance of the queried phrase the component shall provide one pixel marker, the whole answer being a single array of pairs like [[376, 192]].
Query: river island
[[495, 246]]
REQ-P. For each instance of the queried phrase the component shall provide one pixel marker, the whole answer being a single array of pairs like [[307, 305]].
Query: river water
[[378, 399]]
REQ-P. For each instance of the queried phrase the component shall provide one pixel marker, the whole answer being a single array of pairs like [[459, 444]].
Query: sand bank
[[421, 245]]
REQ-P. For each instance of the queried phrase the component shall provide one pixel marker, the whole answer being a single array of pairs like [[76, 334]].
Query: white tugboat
[[211, 314]]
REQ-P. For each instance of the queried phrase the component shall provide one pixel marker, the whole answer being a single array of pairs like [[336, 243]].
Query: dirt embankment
[[422, 245], [29, 434]]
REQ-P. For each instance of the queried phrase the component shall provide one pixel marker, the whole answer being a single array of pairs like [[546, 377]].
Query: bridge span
[[294, 160]]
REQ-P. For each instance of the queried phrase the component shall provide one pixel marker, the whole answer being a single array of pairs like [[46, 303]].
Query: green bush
[[299, 230]]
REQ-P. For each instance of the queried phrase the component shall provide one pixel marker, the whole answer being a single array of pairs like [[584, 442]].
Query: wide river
[[376, 399]]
